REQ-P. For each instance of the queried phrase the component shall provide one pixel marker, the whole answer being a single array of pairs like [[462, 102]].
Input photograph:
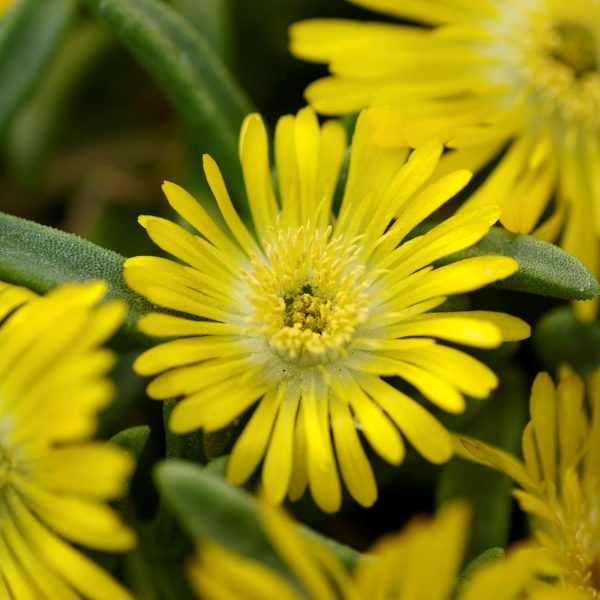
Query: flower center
[[576, 48], [305, 311], [307, 295]]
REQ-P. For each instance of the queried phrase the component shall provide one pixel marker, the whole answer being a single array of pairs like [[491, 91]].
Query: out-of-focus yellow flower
[[54, 481], [420, 562], [13, 296], [307, 313], [513, 80], [559, 476], [4, 6]]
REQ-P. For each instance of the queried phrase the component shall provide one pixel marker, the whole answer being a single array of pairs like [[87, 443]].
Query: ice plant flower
[[398, 567], [54, 481], [304, 315], [511, 81], [559, 476]]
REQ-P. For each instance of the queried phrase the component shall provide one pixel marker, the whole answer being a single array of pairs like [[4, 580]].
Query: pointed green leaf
[[41, 258], [544, 268], [559, 338], [28, 36], [209, 507], [190, 73]]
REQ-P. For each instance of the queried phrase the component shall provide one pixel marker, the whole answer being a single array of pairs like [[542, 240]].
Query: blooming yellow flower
[[53, 481], [559, 476], [305, 315], [512, 80], [13, 296], [420, 562]]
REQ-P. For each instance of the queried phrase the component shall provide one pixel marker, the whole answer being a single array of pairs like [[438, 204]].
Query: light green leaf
[[544, 268], [206, 506], [41, 258], [191, 75], [28, 37]]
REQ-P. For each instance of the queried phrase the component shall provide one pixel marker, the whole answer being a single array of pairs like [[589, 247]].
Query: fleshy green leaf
[[559, 337], [487, 491], [188, 70], [209, 507], [28, 37], [544, 268], [41, 258]]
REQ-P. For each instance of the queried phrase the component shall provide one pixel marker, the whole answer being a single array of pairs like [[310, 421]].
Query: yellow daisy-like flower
[[306, 315], [420, 562], [54, 482], [560, 475], [484, 76]]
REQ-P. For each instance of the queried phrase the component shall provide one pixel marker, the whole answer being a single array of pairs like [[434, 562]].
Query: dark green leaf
[[544, 268], [488, 492], [559, 338], [134, 441], [28, 37], [41, 258], [185, 66], [208, 507]]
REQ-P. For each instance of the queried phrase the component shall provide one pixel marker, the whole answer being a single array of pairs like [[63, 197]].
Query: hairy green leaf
[[544, 268], [41, 258]]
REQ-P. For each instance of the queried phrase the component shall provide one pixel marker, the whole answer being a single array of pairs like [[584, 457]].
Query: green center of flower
[[307, 296], [576, 48]]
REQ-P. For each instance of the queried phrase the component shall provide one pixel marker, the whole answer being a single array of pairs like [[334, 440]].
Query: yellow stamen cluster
[[307, 295]]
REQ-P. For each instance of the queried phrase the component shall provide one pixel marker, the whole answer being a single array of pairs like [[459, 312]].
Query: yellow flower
[[420, 562], [4, 6], [54, 481], [559, 476], [305, 316], [13, 296], [512, 80]]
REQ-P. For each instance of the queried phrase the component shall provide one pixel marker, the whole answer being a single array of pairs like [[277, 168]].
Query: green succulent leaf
[[29, 35], [207, 507], [559, 337], [40, 258], [189, 72], [544, 269]]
